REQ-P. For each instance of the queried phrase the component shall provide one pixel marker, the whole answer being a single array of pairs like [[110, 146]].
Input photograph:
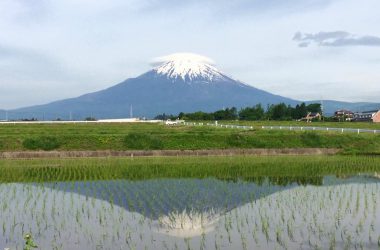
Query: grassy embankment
[[153, 136], [280, 169]]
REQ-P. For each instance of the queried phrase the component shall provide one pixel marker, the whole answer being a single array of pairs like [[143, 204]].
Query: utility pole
[[322, 109]]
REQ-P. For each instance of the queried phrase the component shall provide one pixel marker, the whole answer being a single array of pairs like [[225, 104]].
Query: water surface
[[263, 213]]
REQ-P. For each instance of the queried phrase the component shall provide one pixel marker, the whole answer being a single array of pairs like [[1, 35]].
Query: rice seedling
[[207, 203]]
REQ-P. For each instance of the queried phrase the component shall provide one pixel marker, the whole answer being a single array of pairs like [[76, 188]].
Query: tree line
[[272, 112]]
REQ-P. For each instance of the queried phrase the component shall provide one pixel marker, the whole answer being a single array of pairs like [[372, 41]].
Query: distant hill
[[178, 83], [330, 106], [2, 114]]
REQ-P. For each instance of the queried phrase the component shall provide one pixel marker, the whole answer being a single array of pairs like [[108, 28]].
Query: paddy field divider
[[316, 128]]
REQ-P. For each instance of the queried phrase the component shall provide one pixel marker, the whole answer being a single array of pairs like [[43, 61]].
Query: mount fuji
[[180, 82]]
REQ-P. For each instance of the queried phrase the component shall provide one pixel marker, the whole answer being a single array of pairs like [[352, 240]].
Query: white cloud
[[335, 39], [184, 56]]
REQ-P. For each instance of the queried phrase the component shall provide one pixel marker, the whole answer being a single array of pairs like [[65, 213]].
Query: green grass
[[142, 141], [280, 168], [22, 137], [41, 142]]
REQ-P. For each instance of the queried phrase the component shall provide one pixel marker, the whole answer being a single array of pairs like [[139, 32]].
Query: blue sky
[[303, 49]]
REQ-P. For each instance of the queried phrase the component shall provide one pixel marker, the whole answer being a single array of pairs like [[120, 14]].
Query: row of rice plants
[[172, 214], [280, 168]]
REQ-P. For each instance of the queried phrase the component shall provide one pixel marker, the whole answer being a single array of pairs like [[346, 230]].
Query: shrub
[[142, 141], [236, 140], [311, 139], [42, 142]]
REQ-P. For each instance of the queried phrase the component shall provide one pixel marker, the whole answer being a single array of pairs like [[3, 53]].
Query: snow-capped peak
[[188, 67]]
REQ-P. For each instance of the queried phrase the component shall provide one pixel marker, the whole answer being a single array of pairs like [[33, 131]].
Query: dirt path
[[145, 153]]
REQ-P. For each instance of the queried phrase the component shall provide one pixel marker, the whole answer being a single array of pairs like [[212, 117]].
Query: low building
[[367, 116], [176, 122], [376, 117], [312, 116], [343, 115]]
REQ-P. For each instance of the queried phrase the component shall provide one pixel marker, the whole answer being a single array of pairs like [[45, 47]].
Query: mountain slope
[[185, 83], [152, 94], [178, 83], [2, 114]]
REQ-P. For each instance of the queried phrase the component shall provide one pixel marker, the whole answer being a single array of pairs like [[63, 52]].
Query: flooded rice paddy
[[320, 213]]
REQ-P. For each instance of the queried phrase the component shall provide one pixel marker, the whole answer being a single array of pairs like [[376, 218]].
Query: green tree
[[252, 113], [279, 112], [314, 108], [299, 111], [226, 114]]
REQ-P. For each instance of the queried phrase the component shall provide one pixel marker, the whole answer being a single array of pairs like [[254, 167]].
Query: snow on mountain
[[188, 67]]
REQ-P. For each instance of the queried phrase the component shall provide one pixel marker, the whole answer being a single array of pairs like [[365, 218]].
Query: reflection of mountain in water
[[155, 198], [162, 197], [85, 215]]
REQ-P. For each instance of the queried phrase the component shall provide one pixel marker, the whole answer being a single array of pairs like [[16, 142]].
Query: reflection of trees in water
[[288, 180], [280, 180]]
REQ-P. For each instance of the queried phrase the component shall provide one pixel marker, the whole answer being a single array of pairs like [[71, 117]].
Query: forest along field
[[213, 202], [304, 202], [140, 136]]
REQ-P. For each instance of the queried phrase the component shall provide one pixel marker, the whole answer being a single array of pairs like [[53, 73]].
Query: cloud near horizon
[[182, 56], [335, 39]]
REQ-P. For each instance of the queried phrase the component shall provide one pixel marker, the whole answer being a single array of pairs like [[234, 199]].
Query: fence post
[[358, 131], [342, 130]]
